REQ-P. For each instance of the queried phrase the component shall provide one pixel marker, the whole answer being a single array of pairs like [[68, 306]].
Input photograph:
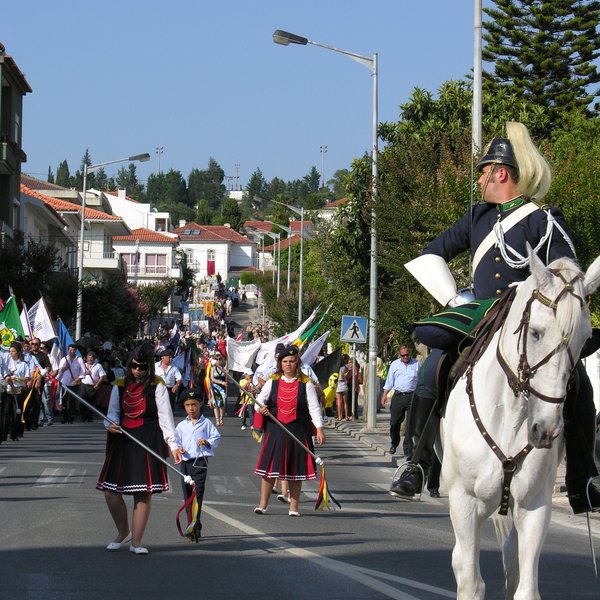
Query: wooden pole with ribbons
[[324, 496], [190, 531]]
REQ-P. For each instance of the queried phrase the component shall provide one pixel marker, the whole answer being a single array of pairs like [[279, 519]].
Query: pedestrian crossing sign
[[354, 329]]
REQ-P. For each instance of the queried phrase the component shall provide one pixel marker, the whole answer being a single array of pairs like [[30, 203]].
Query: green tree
[[127, 179], [207, 185], [203, 213], [175, 188], [63, 177], [545, 52], [156, 187], [50, 178], [154, 298], [257, 186], [313, 181], [337, 183], [231, 213]]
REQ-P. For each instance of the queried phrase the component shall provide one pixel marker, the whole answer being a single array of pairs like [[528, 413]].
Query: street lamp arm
[[285, 38], [136, 157]]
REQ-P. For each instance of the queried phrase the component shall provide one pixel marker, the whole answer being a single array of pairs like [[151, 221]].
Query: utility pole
[[237, 177], [159, 151], [323, 153]]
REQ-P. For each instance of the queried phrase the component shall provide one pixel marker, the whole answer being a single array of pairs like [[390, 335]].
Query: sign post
[[354, 331]]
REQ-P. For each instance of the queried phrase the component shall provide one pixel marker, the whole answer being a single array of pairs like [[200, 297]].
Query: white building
[[215, 250], [148, 256]]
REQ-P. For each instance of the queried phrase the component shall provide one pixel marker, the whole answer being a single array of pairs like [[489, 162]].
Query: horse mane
[[568, 311]]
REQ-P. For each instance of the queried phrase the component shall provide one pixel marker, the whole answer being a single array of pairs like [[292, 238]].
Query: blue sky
[[203, 78]]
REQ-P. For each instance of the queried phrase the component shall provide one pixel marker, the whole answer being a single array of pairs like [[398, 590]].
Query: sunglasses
[[34, 343], [404, 355], [140, 366]]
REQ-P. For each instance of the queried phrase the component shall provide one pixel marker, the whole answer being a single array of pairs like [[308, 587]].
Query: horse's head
[[544, 333]]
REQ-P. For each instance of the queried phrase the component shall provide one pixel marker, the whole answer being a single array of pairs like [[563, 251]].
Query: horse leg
[[532, 526], [465, 556], [510, 558]]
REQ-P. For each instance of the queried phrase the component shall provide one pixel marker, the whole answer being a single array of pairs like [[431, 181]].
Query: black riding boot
[[582, 479], [421, 429]]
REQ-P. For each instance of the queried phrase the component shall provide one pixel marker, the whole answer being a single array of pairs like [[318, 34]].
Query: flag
[[241, 355], [310, 355], [64, 337], [240, 336], [40, 322], [308, 335], [326, 367], [174, 338], [25, 321], [10, 323]]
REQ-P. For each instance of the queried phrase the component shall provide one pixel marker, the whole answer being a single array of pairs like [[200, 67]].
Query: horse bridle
[[520, 382]]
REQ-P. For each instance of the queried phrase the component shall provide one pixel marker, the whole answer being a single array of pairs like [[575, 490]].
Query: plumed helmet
[[499, 152]]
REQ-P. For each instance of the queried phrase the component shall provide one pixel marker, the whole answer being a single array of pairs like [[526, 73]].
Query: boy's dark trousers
[[196, 468]]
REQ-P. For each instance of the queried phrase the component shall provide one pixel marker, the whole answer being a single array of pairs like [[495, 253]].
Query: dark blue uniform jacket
[[493, 274]]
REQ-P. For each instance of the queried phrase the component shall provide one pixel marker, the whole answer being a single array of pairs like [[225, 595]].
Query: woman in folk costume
[[140, 404], [514, 179], [218, 386], [290, 396]]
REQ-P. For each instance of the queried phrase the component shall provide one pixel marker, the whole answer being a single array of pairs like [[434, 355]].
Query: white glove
[[458, 300]]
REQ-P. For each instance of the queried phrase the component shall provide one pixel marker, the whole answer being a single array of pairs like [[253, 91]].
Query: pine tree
[[63, 177], [50, 178], [544, 51]]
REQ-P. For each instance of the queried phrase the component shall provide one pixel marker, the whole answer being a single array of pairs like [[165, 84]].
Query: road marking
[[60, 478], [365, 577]]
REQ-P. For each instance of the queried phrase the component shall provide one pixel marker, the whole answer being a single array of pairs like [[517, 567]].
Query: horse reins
[[520, 382]]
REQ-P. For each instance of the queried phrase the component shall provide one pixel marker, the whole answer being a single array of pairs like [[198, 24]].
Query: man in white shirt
[[170, 374], [71, 371]]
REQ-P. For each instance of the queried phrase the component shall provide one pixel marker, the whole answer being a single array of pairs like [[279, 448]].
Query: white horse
[[514, 414]]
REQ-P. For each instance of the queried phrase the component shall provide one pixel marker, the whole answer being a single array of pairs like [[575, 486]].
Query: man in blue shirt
[[402, 378]]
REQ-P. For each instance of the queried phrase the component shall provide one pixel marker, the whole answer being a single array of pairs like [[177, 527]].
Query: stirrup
[[400, 469]]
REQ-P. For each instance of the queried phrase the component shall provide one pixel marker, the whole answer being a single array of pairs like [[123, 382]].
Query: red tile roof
[[34, 183], [295, 225], [336, 203], [145, 235], [286, 243], [116, 194], [259, 225], [62, 206], [209, 233]]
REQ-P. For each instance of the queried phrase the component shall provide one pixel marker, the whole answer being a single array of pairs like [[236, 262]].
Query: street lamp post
[[88, 169], [299, 211], [289, 232], [277, 237], [285, 38]]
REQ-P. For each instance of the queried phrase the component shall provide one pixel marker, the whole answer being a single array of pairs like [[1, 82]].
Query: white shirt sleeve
[[114, 408], [264, 395], [314, 406], [165, 416]]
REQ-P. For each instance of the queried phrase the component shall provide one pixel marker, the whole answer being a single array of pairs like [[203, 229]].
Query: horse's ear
[[592, 277], [538, 268]]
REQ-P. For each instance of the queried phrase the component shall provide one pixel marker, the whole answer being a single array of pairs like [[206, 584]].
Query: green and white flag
[[10, 323]]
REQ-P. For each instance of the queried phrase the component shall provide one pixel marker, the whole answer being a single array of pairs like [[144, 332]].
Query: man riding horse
[[514, 179]]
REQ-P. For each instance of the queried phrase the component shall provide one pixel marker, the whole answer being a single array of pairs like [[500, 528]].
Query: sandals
[[260, 511], [283, 498], [294, 513]]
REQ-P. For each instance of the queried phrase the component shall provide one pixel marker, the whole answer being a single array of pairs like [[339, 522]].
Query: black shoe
[[409, 483], [584, 496], [392, 449], [434, 493]]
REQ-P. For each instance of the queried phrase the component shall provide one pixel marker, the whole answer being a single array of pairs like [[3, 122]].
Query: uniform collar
[[510, 204]]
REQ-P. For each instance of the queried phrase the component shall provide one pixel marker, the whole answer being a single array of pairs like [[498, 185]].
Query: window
[[130, 262], [156, 263]]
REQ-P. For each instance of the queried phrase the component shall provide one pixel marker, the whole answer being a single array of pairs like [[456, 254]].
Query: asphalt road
[[54, 528]]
